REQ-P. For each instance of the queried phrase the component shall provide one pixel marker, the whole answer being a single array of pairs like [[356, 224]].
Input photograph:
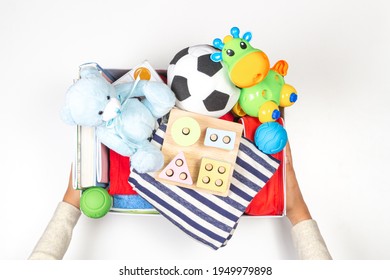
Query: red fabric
[[228, 117], [119, 174], [270, 199]]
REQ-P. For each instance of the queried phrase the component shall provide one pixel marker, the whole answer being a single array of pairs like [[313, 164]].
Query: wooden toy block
[[177, 171], [185, 133], [219, 138], [214, 175]]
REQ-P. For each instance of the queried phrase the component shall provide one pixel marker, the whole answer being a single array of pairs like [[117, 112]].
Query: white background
[[339, 57]]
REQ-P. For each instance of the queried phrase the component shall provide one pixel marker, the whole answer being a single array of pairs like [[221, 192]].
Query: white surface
[[338, 53]]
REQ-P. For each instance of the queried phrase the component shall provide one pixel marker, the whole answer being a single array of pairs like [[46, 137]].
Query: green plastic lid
[[95, 202]]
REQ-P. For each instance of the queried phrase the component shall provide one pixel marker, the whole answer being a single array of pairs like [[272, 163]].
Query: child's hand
[[71, 195], [296, 207]]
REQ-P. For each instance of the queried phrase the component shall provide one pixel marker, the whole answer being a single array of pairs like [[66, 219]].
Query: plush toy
[[125, 115]]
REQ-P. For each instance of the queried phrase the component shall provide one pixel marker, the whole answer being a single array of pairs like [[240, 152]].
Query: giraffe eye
[[100, 113], [243, 45], [108, 97], [230, 52]]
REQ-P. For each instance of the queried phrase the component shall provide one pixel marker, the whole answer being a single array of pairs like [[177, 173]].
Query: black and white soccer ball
[[201, 85]]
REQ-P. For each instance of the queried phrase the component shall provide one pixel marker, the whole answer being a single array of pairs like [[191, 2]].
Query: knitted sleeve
[[56, 238], [309, 242]]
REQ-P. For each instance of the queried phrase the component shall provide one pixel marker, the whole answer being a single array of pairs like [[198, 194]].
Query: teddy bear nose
[[113, 108]]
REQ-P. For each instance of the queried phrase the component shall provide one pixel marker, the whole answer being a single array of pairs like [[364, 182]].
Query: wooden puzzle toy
[[177, 171], [185, 131], [219, 138], [199, 152], [214, 175]]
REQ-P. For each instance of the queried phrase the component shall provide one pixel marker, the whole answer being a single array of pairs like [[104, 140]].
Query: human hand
[[71, 195], [296, 207]]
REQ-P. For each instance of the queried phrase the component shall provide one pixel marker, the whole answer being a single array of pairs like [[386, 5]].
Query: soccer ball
[[201, 85]]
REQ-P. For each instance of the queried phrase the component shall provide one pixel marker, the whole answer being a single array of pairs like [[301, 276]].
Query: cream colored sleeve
[[55, 240], [308, 241]]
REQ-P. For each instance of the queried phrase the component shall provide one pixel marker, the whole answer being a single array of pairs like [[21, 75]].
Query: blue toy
[[270, 137], [125, 115]]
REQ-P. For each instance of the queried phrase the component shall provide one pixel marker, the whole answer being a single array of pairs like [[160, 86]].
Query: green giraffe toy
[[263, 89]]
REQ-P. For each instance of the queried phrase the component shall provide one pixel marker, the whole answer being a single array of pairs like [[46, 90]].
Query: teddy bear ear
[[66, 116], [89, 71]]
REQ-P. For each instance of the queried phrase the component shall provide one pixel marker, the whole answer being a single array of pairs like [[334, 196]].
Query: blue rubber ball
[[270, 137]]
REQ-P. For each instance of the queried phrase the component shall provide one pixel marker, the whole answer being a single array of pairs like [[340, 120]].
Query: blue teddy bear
[[124, 115]]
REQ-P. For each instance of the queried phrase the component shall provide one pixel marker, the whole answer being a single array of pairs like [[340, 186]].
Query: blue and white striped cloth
[[208, 218]]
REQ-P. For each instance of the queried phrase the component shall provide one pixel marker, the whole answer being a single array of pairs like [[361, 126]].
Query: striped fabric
[[208, 218]]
